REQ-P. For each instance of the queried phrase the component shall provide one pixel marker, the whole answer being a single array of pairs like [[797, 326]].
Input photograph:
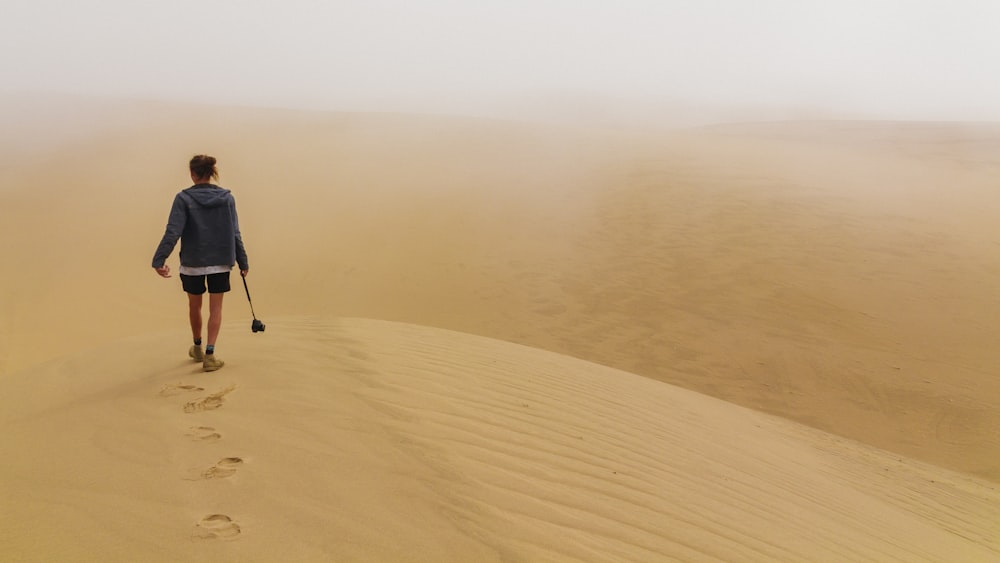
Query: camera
[[257, 326]]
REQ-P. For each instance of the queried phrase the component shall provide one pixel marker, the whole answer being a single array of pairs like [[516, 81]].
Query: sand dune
[[359, 439], [842, 276]]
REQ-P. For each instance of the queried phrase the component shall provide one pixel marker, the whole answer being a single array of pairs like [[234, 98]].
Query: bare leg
[[194, 311], [214, 316]]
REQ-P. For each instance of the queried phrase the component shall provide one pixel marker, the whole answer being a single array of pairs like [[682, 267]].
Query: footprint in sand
[[216, 527], [203, 434], [170, 390], [226, 467], [208, 403]]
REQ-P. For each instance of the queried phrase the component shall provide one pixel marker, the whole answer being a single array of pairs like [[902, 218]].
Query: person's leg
[[212, 361], [214, 317], [218, 285], [194, 312], [194, 286]]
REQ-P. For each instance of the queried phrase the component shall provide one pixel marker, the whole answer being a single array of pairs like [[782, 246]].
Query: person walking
[[204, 218]]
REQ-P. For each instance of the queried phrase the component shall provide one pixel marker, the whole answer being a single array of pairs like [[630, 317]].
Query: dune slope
[[370, 440]]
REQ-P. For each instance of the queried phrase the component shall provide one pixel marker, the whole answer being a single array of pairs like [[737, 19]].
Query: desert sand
[[492, 340]]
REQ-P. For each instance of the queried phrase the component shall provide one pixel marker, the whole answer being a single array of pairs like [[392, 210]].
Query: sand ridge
[[389, 441]]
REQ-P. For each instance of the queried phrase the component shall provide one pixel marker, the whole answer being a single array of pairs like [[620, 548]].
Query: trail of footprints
[[212, 526]]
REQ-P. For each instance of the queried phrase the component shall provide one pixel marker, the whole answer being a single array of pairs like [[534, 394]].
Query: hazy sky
[[892, 58]]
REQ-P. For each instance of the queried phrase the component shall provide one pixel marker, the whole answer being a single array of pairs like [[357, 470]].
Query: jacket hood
[[208, 195]]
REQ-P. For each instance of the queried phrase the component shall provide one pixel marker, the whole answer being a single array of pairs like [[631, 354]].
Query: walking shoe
[[212, 363], [196, 354]]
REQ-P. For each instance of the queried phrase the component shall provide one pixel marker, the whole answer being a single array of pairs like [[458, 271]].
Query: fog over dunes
[[631, 61], [543, 281]]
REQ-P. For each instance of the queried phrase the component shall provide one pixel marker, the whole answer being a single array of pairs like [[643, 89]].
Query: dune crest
[[364, 439]]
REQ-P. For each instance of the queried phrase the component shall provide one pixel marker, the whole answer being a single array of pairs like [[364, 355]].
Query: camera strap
[[248, 297]]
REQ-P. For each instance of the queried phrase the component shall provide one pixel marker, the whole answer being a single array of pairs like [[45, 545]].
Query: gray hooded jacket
[[204, 218]]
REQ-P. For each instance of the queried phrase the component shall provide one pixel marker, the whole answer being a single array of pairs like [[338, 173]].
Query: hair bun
[[203, 166]]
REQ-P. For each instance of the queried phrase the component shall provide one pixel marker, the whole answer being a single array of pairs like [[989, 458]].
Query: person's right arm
[[241, 253], [175, 227]]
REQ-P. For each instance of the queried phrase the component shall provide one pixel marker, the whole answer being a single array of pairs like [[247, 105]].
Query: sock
[[210, 349], [197, 342]]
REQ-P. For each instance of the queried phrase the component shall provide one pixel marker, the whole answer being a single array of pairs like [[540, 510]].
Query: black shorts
[[195, 285]]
